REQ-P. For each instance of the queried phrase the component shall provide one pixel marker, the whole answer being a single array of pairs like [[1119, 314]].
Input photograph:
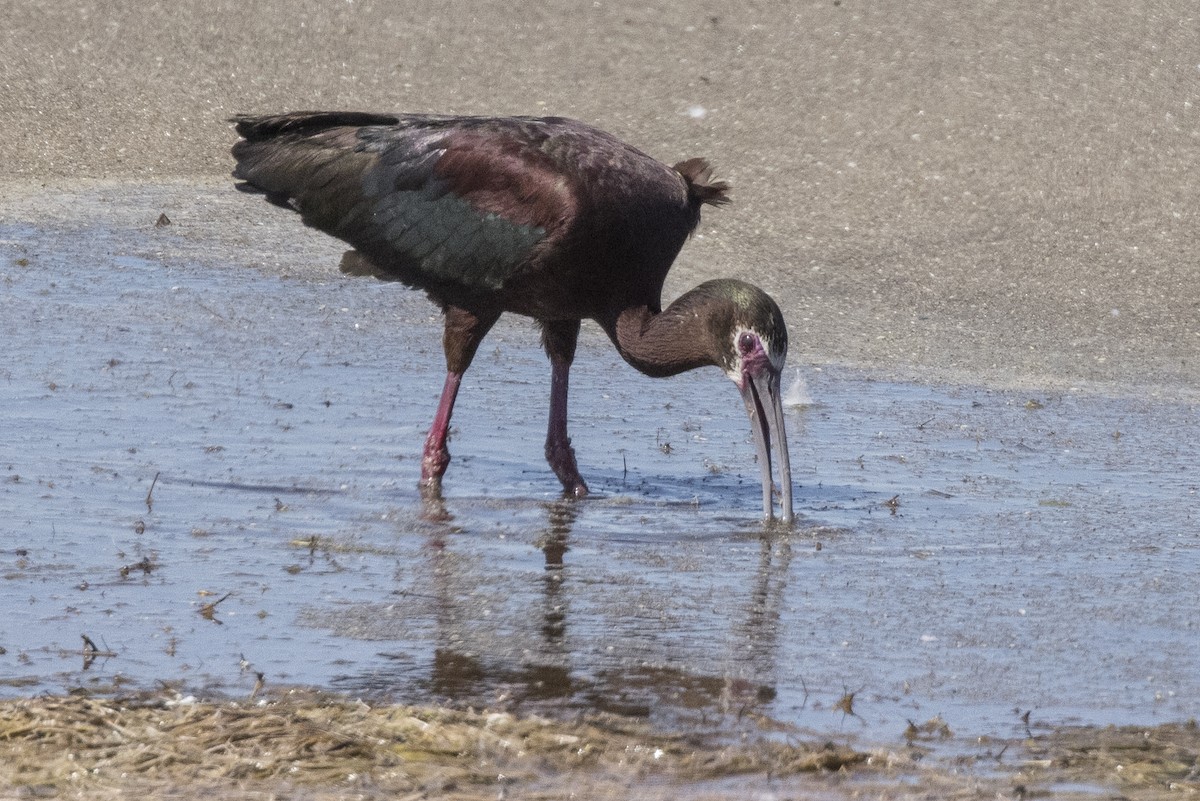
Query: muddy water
[[182, 431]]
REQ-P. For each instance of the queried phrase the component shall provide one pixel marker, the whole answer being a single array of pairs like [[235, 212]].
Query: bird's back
[[542, 216]]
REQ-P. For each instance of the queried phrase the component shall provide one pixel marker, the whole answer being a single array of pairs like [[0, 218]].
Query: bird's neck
[[666, 343]]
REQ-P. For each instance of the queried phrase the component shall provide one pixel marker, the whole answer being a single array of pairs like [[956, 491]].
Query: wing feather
[[427, 200]]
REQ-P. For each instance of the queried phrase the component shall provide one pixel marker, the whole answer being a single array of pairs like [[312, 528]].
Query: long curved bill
[[764, 404]]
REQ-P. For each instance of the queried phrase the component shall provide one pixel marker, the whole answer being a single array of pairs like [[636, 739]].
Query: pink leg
[[464, 331], [437, 455], [559, 340]]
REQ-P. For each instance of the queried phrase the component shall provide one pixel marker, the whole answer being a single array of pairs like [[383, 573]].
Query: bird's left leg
[[559, 338], [464, 331]]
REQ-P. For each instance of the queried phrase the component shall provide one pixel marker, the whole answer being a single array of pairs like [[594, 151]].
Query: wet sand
[[1000, 193]]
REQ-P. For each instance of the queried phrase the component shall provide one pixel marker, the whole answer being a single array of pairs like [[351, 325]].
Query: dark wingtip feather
[[355, 263], [253, 127], [701, 187], [277, 198]]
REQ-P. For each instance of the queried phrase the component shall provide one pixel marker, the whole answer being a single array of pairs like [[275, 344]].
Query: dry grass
[[302, 745], [1140, 762], [316, 747]]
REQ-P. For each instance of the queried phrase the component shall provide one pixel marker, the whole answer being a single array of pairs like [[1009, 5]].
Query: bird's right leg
[[559, 338], [463, 333]]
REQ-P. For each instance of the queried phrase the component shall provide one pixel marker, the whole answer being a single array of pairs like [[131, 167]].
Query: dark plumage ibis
[[546, 217]]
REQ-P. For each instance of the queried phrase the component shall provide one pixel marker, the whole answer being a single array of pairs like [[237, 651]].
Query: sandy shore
[[1002, 193]]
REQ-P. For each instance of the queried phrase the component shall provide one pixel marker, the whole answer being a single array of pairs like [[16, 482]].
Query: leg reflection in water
[[604, 620], [522, 671]]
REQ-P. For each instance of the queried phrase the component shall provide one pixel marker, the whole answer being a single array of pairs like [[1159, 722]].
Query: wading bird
[[546, 217]]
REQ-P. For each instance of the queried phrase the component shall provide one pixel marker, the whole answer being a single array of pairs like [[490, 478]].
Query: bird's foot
[[561, 457], [433, 465], [431, 487], [433, 505], [574, 486]]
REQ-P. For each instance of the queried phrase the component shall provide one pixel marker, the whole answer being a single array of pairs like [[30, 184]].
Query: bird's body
[[545, 217]]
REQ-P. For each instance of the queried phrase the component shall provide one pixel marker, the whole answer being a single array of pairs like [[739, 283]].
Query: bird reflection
[[460, 674], [506, 641], [562, 516], [757, 636]]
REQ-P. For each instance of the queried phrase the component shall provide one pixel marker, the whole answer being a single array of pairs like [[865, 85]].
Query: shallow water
[[220, 432]]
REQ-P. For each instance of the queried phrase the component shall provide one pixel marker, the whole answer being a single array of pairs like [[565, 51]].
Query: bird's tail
[[256, 128], [287, 156], [701, 187]]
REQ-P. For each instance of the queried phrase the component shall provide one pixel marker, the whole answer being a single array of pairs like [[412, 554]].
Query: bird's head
[[753, 352], [737, 327]]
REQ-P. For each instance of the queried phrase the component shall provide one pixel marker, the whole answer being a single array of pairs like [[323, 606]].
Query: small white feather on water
[[797, 392]]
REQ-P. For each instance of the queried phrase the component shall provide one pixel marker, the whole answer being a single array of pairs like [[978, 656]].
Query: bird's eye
[[746, 343]]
